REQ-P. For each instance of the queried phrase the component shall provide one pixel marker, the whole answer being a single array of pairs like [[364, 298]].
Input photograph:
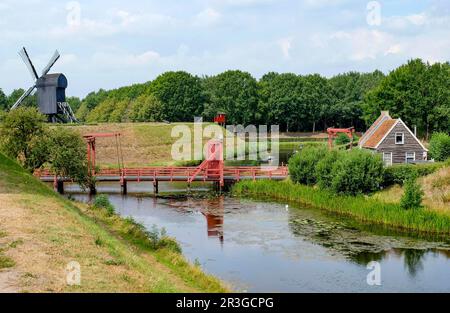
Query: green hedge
[[398, 174]]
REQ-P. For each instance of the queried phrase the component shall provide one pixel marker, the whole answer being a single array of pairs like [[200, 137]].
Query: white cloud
[[285, 46], [124, 60], [207, 17]]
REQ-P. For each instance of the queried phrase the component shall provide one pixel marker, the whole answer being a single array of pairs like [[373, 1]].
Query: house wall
[[399, 150]]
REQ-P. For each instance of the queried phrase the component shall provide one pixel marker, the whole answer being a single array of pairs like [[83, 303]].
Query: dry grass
[[143, 144], [436, 189]]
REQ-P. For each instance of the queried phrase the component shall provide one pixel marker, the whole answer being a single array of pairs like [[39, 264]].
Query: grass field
[[41, 232], [436, 189], [149, 144]]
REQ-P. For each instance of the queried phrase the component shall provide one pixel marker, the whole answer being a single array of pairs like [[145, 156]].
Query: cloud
[[124, 60], [285, 46], [207, 17]]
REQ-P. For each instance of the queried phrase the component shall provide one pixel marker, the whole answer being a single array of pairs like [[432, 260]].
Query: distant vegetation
[[417, 92]]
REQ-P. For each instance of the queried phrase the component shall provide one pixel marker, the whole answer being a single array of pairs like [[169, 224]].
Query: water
[[260, 246]]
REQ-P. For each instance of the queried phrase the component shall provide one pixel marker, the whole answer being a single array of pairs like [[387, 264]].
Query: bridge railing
[[177, 173]]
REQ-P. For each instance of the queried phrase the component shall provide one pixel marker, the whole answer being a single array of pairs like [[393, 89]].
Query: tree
[[440, 146], [348, 93], [232, 92], [102, 111], [181, 95], [146, 108], [417, 93], [30, 101], [3, 101], [316, 100], [74, 103], [412, 197], [67, 155], [119, 113], [20, 132], [279, 101]]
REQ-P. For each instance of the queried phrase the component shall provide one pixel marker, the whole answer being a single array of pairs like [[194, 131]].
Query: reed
[[361, 208]]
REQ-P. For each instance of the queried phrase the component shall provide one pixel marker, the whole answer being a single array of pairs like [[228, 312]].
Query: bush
[[302, 165], [398, 174], [356, 172], [102, 202], [412, 198], [440, 146], [342, 139], [324, 168]]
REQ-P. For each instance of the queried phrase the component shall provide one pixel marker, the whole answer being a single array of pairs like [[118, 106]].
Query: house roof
[[384, 116], [380, 133], [379, 130]]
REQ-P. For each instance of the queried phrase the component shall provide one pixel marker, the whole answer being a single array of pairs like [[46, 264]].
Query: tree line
[[417, 92]]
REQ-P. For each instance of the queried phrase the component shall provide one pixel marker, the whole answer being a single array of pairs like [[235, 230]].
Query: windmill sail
[[26, 59], [52, 61], [25, 94]]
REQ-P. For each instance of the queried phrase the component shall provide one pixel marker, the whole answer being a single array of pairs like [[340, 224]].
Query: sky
[[108, 44]]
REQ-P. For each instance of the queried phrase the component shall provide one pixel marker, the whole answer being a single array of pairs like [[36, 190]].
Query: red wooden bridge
[[212, 169]]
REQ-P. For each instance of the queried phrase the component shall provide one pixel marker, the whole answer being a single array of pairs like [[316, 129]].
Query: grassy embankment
[[150, 144], [41, 232], [369, 210]]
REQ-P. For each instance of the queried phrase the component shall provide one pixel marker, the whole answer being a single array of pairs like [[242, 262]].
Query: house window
[[410, 157], [387, 158], [399, 138]]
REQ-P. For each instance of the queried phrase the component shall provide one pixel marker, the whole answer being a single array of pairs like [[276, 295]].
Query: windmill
[[51, 91]]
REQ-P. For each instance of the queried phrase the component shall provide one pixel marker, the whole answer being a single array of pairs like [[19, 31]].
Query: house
[[392, 138]]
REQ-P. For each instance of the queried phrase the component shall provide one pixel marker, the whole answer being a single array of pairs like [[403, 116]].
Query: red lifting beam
[[90, 141], [332, 133]]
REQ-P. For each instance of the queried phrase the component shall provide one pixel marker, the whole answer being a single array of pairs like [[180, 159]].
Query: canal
[[263, 246]]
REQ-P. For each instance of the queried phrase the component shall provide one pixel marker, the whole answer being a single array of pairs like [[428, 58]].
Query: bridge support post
[[59, 186], [123, 187], [92, 190], [155, 187]]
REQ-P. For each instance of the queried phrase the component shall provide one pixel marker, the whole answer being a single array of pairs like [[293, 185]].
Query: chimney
[[385, 113], [415, 130]]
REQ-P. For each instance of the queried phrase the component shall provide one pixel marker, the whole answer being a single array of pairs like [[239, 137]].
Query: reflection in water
[[413, 260]]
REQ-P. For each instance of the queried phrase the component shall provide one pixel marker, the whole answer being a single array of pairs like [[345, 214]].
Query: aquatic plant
[[361, 208]]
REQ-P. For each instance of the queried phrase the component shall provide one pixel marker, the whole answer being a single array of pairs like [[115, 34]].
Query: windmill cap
[[52, 80]]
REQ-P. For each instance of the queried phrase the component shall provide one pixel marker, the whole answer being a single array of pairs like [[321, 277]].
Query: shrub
[[102, 202], [357, 172], [398, 174], [342, 139], [440, 146], [324, 169], [302, 165], [412, 198]]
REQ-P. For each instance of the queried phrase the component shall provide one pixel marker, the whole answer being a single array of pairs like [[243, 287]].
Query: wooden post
[[60, 186], [155, 187], [123, 186]]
